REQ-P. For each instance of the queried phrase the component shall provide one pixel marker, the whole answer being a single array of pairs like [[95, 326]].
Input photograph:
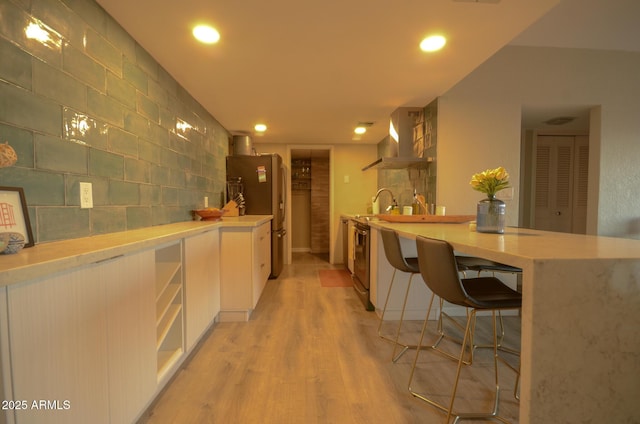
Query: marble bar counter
[[48, 258], [580, 318]]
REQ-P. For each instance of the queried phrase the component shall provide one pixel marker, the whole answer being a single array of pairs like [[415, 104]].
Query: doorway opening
[[311, 206], [555, 169]]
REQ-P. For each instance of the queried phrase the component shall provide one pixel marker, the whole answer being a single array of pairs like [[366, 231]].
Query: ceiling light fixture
[[206, 34], [433, 43], [560, 120], [260, 128], [361, 128]]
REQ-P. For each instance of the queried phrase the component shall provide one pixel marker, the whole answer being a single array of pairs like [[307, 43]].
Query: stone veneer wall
[[92, 105], [403, 182], [320, 188]]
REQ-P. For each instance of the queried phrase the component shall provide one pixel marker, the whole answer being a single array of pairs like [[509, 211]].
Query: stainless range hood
[[398, 150]]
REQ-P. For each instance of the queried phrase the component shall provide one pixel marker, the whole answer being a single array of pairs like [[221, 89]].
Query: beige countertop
[[48, 258], [521, 242]]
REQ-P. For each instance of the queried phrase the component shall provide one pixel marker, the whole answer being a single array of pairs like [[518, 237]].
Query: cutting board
[[231, 209], [452, 219]]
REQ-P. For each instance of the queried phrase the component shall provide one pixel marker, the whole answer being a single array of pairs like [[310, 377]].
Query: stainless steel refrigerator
[[264, 191]]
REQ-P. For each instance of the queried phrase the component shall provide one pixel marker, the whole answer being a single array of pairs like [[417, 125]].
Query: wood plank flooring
[[311, 354]]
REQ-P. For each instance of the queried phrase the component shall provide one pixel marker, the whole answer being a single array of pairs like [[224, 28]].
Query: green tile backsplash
[[94, 106]]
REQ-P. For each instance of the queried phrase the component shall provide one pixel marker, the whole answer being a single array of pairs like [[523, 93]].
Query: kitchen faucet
[[394, 204]]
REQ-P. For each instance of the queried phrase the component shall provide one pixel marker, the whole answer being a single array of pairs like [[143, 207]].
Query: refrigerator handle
[[283, 204]]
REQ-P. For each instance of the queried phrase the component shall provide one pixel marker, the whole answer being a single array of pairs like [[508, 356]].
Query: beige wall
[[479, 127], [351, 197]]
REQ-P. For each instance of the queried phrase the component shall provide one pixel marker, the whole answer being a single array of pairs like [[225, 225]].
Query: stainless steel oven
[[361, 263]]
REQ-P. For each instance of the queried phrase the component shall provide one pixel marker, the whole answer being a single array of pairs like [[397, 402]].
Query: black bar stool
[[480, 265], [399, 262], [440, 273], [395, 257]]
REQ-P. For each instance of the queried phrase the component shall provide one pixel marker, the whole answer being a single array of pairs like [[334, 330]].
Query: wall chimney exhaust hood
[[397, 150]]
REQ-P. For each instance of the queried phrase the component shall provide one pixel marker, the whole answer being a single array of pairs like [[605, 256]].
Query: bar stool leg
[[395, 357]]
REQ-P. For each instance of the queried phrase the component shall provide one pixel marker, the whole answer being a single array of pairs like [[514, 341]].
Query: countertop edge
[[58, 256]]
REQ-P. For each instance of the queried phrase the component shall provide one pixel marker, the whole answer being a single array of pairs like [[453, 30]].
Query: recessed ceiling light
[[360, 130], [433, 43], [206, 34], [260, 127]]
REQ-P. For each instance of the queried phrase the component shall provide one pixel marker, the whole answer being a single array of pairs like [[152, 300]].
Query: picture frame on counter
[[14, 214]]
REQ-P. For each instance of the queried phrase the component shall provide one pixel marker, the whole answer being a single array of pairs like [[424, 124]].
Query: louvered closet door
[[561, 183]]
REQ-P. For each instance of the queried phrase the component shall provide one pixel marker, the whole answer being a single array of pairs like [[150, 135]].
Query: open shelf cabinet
[[169, 306]]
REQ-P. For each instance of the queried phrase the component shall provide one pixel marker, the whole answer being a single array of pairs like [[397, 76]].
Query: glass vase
[[491, 215]]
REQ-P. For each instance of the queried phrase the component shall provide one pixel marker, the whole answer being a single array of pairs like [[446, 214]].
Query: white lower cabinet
[[202, 283], [245, 264], [79, 343], [58, 344], [96, 343], [169, 307], [131, 328]]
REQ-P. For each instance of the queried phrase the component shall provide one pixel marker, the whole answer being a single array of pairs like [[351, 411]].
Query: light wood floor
[[311, 354]]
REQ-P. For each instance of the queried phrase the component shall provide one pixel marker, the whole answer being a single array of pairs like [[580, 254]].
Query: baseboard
[[235, 316]]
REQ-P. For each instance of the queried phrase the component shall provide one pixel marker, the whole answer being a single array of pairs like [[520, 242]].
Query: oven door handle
[[356, 286], [361, 232]]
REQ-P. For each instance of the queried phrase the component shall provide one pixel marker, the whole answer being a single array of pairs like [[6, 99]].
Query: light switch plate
[[505, 194], [86, 196]]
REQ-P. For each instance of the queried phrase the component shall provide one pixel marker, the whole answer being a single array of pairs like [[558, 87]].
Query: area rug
[[334, 278]]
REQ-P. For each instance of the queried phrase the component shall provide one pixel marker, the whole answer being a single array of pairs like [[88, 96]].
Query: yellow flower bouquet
[[490, 181]]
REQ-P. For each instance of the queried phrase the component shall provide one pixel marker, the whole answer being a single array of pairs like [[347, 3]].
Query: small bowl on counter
[[210, 214]]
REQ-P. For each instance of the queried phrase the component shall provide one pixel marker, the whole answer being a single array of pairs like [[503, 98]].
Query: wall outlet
[[86, 196]]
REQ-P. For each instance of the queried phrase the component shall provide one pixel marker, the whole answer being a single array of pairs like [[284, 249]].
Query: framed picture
[[14, 215]]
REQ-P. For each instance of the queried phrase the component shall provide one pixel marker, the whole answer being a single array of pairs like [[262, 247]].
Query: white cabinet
[[202, 283], [83, 342], [169, 302], [130, 293], [58, 344], [96, 342], [245, 263], [262, 264]]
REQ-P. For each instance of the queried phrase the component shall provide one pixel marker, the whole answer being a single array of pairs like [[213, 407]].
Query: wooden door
[[561, 176]]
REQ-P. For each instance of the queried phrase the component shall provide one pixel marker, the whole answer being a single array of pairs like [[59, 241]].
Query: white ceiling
[[311, 70]]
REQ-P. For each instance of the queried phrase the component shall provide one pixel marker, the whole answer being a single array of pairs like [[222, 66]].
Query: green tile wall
[[96, 75]]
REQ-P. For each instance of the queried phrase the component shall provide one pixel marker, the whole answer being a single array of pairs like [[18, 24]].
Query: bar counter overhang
[[580, 317]]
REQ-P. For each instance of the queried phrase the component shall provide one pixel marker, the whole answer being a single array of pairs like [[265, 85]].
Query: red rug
[[335, 278]]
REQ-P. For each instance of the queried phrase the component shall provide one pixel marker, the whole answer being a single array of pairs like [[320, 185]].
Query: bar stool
[[439, 271], [480, 265], [393, 253], [399, 262]]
